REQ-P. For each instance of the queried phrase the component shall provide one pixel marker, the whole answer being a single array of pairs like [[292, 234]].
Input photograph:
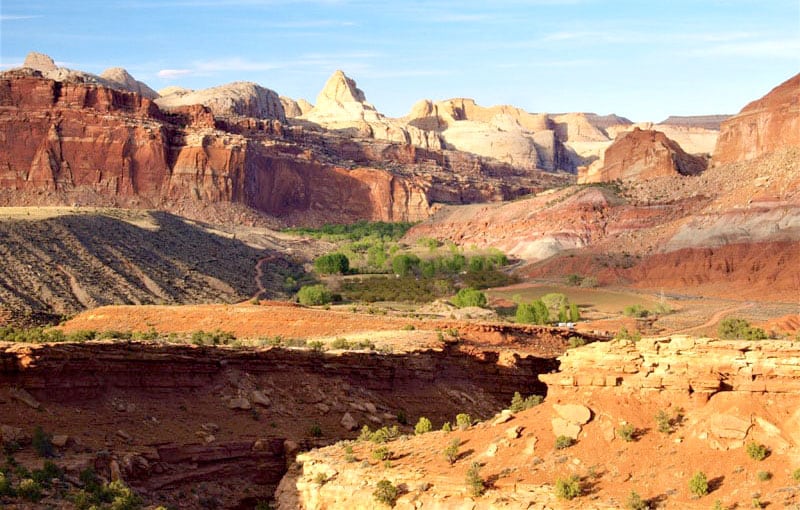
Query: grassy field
[[607, 301]]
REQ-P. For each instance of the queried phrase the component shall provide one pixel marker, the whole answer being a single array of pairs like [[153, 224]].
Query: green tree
[[311, 295], [404, 263], [532, 313], [332, 263], [554, 301], [475, 483], [574, 313], [469, 297], [386, 493]]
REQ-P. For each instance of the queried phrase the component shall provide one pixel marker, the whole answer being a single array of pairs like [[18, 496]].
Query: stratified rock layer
[[642, 154], [75, 142], [763, 126]]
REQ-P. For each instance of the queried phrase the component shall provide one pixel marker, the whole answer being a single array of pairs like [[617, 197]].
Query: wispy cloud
[[16, 17], [773, 48], [320, 23], [349, 60], [173, 73]]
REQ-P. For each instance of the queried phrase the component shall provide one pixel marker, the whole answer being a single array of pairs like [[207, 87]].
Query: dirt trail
[[715, 318], [259, 275]]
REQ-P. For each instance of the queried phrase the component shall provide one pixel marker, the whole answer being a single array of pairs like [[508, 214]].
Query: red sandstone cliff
[[763, 126], [82, 142], [642, 154]]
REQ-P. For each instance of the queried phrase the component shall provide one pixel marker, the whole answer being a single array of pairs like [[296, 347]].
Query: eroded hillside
[[60, 261]]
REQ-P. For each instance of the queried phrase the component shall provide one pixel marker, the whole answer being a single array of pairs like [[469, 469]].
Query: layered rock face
[[86, 143], [712, 397], [221, 424], [242, 99], [642, 154], [341, 106], [763, 126], [503, 132]]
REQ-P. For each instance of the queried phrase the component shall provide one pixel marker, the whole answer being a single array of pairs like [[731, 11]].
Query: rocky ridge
[[716, 396], [200, 413], [640, 155], [763, 126], [83, 142]]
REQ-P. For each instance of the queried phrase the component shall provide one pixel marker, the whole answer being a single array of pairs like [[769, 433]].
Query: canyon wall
[[75, 142], [185, 424], [763, 126]]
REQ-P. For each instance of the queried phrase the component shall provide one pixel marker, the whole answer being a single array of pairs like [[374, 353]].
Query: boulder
[[21, 395], [348, 422], [513, 432], [562, 427], [259, 398], [575, 413], [239, 403]]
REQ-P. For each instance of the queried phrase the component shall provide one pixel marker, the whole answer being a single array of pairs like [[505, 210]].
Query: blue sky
[[644, 59]]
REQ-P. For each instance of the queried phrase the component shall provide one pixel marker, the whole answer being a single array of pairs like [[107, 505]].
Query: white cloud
[[173, 73], [13, 17], [773, 48]]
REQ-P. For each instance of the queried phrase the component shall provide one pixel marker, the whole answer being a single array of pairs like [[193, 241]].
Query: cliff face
[[716, 396], [763, 126], [82, 142], [642, 154], [183, 425]]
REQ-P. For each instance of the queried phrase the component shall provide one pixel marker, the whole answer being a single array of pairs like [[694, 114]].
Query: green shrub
[[739, 329], [382, 434], [756, 451], [463, 421], [589, 282], [332, 263], [401, 418], [423, 426], [356, 231], [764, 476], [568, 488], [476, 485], [316, 345], [573, 279], [796, 475], [386, 493], [576, 341], [446, 427], [30, 490], [624, 334], [5, 486], [314, 295], [663, 422], [48, 472], [469, 297], [381, 453], [627, 432], [637, 311], [698, 484], [563, 442], [340, 343], [216, 337], [404, 264], [315, 430], [520, 404], [635, 502], [451, 452], [42, 442]]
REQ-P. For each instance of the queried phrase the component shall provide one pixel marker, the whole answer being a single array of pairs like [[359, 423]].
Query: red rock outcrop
[[763, 126], [642, 154], [82, 142]]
